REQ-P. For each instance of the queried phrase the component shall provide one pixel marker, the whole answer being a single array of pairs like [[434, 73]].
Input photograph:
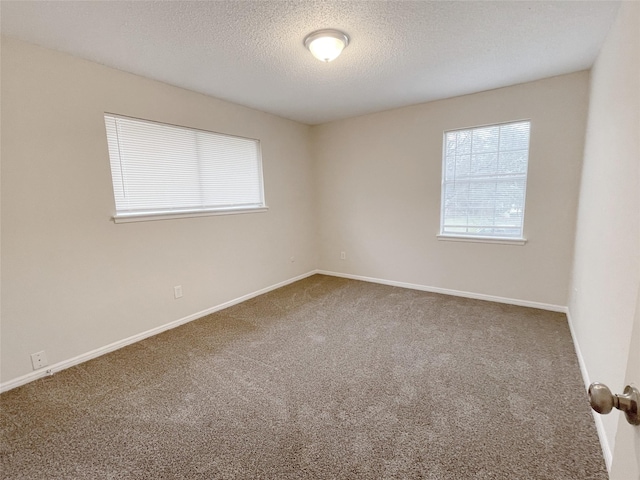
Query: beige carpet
[[326, 378]]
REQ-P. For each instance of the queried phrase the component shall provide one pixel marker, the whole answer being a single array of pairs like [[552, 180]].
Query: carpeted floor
[[326, 378]]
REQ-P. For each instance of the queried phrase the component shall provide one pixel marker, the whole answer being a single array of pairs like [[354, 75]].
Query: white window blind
[[484, 181], [161, 169]]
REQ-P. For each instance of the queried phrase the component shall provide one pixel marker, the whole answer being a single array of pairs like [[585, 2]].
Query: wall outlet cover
[[39, 360]]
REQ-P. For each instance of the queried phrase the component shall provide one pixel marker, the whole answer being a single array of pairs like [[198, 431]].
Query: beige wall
[[606, 274], [72, 280], [379, 193]]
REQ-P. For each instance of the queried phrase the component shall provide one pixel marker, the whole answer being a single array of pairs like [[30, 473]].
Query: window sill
[[504, 241], [167, 215]]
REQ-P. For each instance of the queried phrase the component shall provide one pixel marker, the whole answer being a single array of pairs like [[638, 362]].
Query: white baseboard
[[604, 443], [51, 369], [446, 291]]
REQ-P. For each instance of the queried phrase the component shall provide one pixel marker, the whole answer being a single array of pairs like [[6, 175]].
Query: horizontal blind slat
[[484, 180], [158, 167]]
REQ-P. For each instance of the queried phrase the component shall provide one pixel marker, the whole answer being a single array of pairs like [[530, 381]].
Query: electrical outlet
[[39, 360], [343, 255], [177, 291]]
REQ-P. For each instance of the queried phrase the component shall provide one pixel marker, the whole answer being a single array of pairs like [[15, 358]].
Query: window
[[484, 180], [161, 170]]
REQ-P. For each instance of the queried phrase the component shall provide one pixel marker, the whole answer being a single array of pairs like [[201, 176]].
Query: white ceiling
[[251, 52]]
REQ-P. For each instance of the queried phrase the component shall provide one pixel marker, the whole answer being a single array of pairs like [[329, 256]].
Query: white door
[[626, 454]]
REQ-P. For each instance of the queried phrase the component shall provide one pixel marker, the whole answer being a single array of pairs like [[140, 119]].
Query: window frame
[[497, 239], [178, 212]]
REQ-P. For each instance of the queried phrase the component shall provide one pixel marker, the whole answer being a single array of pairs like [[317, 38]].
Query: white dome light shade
[[326, 45]]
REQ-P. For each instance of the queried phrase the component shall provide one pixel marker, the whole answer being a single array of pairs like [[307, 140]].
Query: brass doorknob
[[603, 401]]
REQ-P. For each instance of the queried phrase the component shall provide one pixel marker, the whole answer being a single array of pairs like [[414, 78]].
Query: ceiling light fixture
[[326, 45]]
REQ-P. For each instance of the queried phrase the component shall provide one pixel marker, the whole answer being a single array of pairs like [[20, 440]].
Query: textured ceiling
[[251, 52]]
